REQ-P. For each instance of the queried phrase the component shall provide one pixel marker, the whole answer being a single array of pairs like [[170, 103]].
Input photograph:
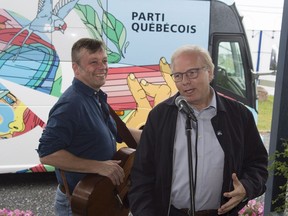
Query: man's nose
[[185, 79]]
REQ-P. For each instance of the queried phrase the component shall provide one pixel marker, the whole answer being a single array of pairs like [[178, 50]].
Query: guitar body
[[95, 195]]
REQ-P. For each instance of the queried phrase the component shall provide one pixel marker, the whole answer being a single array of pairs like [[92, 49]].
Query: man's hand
[[236, 196], [112, 170]]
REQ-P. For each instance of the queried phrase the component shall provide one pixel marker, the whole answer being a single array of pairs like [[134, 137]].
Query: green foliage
[[265, 109], [280, 168]]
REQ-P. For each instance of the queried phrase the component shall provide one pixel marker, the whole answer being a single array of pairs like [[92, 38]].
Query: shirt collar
[[88, 90], [213, 103]]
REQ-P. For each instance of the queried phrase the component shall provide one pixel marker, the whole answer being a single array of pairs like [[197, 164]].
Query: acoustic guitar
[[96, 195]]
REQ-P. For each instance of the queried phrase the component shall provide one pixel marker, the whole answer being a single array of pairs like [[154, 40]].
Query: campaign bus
[[36, 37]]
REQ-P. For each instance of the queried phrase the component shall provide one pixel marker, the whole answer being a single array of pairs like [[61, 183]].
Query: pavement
[[268, 82], [28, 191]]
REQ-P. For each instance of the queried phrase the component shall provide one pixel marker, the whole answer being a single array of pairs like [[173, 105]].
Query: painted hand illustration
[[47, 20], [140, 91]]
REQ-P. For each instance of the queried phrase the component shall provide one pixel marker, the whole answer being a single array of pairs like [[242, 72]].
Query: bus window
[[230, 70]]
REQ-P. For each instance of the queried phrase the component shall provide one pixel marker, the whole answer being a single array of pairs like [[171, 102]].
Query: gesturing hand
[[236, 196]]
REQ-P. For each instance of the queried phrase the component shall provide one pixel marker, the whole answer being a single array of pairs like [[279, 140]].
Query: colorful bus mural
[[35, 63]]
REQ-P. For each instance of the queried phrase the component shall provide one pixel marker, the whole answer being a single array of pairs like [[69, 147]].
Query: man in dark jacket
[[227, 162]]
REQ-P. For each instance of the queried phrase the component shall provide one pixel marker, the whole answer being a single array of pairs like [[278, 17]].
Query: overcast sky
[[261, 14]]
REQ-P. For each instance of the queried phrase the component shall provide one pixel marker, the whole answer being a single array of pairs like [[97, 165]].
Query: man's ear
[[75, 68]]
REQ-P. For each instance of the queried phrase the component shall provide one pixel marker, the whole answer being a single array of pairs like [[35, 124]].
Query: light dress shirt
[[210, 165]]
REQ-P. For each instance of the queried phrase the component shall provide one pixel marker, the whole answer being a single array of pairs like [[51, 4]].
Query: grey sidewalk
[[268, 82]]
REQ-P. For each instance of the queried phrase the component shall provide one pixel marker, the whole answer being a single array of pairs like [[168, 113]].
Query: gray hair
[[203, 54]]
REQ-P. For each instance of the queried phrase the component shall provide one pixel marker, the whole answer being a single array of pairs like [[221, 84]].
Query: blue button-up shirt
[[80, 123]]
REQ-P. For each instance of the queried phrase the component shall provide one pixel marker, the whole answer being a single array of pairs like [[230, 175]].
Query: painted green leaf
[[114, 30], [91, 19], [113, 57]]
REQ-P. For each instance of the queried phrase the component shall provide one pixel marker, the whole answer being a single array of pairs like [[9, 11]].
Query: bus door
[[233, 69]]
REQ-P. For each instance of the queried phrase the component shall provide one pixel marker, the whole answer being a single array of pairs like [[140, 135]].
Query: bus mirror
[[273, 59], [272, 67]]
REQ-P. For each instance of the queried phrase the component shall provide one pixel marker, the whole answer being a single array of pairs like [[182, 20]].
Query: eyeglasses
[[191, 74]]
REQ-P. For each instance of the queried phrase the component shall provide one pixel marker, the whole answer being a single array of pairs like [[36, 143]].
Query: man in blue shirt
[[80, 136]]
